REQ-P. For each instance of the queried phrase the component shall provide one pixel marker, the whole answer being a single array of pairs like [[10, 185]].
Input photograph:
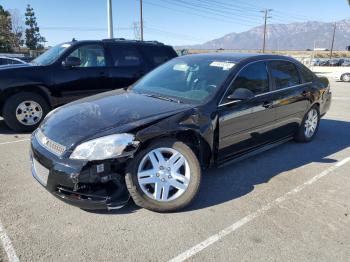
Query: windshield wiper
[[164, 98]]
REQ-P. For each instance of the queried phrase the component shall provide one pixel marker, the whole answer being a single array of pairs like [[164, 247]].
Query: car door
[[127, 64], [88, 78], [244, 125], [291, 97]]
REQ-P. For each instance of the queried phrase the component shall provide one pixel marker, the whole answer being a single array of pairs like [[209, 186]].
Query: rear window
[[125, 55], [158, 54], [285, 74], [306, 74]]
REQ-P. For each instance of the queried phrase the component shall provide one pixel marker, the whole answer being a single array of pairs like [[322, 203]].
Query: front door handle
[[267, 104]]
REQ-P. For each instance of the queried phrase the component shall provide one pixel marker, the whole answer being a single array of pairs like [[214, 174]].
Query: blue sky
[[174, 22]]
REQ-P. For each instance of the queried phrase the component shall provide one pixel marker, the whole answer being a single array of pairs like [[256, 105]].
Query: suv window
[[306, 74], [157, 55], [90, 55], [285, 74], [125, 55], [253, 77]]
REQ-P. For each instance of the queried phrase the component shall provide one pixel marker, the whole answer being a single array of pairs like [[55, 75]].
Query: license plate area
[[40, 172]]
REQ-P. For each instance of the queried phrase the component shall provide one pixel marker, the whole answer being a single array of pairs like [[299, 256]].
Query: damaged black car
[[152, 140]]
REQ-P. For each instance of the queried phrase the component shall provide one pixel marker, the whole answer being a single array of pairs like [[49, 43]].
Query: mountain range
[[294, 36]]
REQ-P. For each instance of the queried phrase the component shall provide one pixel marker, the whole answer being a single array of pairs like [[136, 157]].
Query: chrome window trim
[[258, 95]]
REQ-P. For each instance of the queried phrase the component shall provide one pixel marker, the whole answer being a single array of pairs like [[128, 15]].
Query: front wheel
[[24, 111], [309, 126], [164, 177]]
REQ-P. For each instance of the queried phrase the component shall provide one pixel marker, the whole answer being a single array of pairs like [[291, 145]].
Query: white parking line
[[230, 229], [12, 142], [340, 98], [7, 244]]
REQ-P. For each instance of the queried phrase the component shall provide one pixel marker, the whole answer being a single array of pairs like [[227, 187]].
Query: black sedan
[[153, 139]]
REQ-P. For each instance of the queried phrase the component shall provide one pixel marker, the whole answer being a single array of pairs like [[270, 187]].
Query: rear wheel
[[24, 111], [309, 126], [164, 177], [345, 77]]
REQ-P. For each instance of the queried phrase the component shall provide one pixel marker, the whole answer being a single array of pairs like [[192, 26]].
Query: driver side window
[[253, 77], [90, 55]]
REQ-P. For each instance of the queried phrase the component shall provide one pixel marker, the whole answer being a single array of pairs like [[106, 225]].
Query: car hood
[[106, 113]]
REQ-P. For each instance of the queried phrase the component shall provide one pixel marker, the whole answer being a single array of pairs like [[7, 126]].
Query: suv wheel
[[24, 111], [164, 177], [309, 126]]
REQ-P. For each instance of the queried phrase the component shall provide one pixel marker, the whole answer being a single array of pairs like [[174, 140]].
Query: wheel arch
[[191, 138], [38, 89]]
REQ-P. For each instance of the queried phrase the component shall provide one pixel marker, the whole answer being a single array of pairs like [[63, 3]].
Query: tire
[[144, 197], [345, 77], [301, 134], [12, 106]]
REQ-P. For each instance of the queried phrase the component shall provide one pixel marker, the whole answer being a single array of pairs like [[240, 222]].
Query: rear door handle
[[267, 104]]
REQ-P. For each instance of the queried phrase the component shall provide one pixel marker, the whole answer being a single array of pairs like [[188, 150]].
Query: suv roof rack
[[134, 41]]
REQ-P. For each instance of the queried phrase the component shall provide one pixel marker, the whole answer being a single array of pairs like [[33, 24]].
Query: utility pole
[[110, 18], [141, 20], [266, 11], [335, 27]]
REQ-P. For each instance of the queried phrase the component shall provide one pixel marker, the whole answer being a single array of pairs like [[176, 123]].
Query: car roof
[[238, 57], [116, 40]]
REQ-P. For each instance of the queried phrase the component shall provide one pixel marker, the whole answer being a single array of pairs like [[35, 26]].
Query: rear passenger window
[[253, 77], [157, 55], [307, 75], [125, 55], [284, 73]]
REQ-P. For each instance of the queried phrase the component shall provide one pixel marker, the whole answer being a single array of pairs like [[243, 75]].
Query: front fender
[[192, 120]]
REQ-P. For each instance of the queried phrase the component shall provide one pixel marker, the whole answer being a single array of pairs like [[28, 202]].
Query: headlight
[[106, 147]]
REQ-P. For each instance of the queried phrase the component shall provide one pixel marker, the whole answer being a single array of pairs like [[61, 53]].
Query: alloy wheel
[[29, 113], [311, 123], [164, 174]]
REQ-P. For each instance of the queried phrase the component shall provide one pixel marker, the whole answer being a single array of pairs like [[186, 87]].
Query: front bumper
[[72, 181]]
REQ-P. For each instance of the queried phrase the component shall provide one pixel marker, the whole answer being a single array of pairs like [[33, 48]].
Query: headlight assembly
[[106, 147]]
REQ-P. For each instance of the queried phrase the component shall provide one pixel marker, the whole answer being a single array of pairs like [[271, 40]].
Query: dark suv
[[73, 70]]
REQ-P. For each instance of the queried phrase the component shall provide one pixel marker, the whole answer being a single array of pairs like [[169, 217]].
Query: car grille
[[50, 145]]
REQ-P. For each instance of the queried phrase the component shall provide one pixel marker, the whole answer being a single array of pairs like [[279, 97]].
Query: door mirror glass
[[241, 94], [71, 61]]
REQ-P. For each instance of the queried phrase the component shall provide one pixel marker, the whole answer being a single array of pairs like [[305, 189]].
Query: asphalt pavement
[[290, 203]]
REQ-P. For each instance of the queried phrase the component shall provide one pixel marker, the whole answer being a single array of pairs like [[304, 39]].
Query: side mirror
[[71, 61], [241, 94]]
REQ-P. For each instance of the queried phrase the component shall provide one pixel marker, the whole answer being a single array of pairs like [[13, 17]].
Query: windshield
[[191, 79], [50, 55]]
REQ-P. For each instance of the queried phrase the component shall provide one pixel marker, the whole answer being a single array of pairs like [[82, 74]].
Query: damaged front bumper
[[87, 185]]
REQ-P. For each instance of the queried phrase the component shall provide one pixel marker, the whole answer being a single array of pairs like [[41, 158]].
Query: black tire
[[345, 77], [11, 104], [142, 200], [300, 135]]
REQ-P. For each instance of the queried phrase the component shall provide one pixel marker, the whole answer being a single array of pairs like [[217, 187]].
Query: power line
[[199, 14], [211, 10]]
